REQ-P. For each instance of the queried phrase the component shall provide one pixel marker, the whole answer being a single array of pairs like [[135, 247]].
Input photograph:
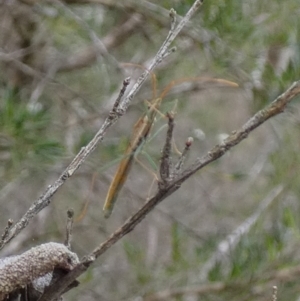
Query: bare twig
[[153, 11], [69, 228], [170, 51], [126, 82], [172, 15], [6, 230], [160, 54], [165, 165], [276, 107], [45, 199], [178, 166]]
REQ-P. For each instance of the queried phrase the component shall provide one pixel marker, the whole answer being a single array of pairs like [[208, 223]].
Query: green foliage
[[25, 133], [288, 219]]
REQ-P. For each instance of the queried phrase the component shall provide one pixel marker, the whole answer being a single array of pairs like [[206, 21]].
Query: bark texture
[[18, 271]]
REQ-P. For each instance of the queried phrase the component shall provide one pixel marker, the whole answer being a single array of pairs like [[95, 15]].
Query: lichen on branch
[[21, 270]]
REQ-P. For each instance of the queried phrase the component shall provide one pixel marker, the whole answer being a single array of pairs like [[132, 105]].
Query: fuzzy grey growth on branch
[[18, 271]]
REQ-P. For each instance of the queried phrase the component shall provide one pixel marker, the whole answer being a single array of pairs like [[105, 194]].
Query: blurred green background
[[61, 69]]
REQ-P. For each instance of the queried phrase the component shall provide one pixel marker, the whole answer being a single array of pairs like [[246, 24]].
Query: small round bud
[[189, 141]]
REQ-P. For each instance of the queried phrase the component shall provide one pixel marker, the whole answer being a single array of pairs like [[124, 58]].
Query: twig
[[273, 109], [276, 107], [160, 54], [170, 51], [172, 15], [178, 166], [45, 199], [69, 228], [6, 230], [165, 165], [126, 82], [156, 12]]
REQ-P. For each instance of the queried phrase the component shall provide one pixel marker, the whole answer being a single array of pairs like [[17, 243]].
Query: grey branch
[[166, 163], [275, 108], [10, 222], [179, 165], [69, 228], [160, 54], [45, 199], [18, 271]]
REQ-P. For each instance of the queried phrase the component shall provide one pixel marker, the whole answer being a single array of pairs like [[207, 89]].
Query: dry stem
[[276, 107]]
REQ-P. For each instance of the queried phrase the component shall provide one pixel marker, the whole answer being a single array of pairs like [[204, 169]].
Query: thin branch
[[170, 51], [69, 228], [273, 109], [172, 15], [165, 165], [155, 12], [276, 107], [45, 199], [126, 82], [160, 54], [178, 166], [10, 222]]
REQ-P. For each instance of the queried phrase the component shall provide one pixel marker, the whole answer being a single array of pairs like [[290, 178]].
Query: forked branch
[[275, 108], [45, 199]]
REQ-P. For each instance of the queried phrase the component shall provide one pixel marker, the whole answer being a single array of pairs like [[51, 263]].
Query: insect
[[140, 134]]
